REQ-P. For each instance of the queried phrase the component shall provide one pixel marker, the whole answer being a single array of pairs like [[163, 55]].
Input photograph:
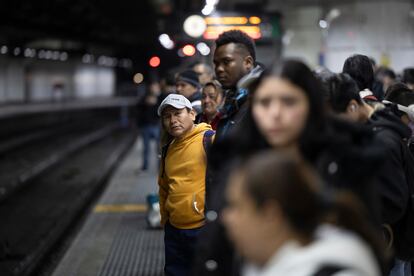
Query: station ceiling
[[118, 24], [115, 24]]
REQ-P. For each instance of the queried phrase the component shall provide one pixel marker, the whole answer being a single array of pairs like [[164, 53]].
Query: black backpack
[[404, 229]]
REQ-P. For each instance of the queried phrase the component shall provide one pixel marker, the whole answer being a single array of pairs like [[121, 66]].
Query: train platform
[[114, 239], [13, 110]]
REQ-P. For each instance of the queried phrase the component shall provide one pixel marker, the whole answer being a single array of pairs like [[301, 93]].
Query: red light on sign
[[189, 50], [154, 61]]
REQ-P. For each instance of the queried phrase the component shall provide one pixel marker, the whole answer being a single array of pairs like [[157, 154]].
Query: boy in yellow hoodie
[[182, 182]]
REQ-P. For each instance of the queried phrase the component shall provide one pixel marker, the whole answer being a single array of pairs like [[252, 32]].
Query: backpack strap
[[408, 159], [164, 150], [208, 139]]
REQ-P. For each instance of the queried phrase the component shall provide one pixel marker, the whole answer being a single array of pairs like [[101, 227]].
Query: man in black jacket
[[235, 68]]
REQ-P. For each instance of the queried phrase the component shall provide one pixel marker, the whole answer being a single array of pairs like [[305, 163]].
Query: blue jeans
[[179, 250], [401, 268], [148, 133]]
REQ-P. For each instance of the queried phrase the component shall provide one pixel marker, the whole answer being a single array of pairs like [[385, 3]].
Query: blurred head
[[344, 99], [273, 198], [387, 77], [399, 93], [177, 115], [205, 73], [270, 200], [408, 77], [287, 104], [211, 98], [168, 84], [359, 67], [234, 57], [187, 83]]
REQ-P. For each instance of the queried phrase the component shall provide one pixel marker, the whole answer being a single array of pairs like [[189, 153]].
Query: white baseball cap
[[175, 100]]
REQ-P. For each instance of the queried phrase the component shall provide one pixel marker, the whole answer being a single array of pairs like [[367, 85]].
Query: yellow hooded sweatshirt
[[182, 181]]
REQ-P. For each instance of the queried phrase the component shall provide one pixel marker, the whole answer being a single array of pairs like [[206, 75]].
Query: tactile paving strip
[[135, 251]]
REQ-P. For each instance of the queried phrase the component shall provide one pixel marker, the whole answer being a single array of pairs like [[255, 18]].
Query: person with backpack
[[394, 178], [392, 125], [182, 182]]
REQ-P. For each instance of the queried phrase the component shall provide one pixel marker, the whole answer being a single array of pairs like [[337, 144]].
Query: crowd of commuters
[[284, 170]]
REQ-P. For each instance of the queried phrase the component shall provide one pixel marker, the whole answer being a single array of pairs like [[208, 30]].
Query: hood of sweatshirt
[[253, 75], [198, 128], [387, 118]]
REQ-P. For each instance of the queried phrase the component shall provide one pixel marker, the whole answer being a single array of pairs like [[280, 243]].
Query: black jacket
[[344, 156], [147, 112], [397, 179], [235, 103]]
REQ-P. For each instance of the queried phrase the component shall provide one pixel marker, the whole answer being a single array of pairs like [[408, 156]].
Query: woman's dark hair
[[291, 182], [408, 75], [359, 67], [399, 93], [341, 89], [249, 137]]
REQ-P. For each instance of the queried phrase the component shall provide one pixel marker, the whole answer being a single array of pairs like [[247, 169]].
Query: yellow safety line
[[119, 208]]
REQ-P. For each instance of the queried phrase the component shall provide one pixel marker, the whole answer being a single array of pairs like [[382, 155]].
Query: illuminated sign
[[219, 24]]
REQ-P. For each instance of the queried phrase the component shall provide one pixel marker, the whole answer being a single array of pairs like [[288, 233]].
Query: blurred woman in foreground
[[283, 223]]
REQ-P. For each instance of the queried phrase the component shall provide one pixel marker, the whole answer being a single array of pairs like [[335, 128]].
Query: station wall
[[26, 80], [383, 30]]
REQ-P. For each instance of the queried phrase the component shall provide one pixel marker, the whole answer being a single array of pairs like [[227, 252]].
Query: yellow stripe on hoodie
[[182, 186]]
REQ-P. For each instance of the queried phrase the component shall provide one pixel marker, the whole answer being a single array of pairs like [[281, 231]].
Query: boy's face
[[177, 122]]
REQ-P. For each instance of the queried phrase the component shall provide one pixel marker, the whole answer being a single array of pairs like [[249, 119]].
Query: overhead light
[[255, 20], [16, 51], [210, 7], [203, 48], [102, 60], [41, 54], [207, 10], [166, 41], [287, 37], [194, 26], [323, 24], [125, 63], [334, 13], [63, 56], [189, 50], [87, 58], [27, 52], [138, 78], [211, 2], [55, 55], [154, 61], [49, 54], [4, 49], [180, 53]]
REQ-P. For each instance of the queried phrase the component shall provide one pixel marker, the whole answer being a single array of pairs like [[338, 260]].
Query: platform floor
[[115, 239]]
